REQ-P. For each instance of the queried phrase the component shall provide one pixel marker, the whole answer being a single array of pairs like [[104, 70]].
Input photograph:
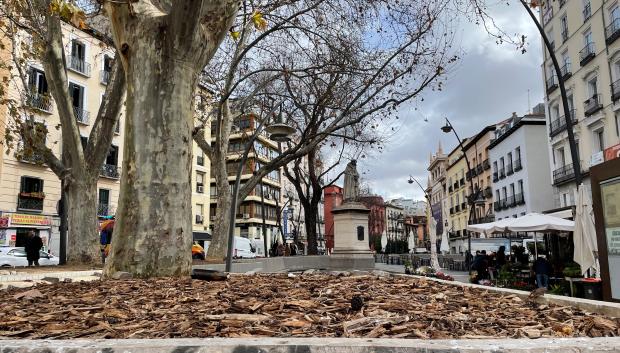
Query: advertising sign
[[612, 152], [437, 214], [30, 219], [4, 222], [610, 195]]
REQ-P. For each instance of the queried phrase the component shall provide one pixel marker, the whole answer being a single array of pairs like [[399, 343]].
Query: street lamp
[[476, 198], [281, 132]]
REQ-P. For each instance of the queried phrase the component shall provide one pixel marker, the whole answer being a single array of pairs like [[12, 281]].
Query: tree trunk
[[153, 231], [219, 243], [434, 259], [310, 213], [83, 241]]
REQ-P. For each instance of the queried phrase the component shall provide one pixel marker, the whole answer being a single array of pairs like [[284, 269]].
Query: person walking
[[33, 246], [500, 257]]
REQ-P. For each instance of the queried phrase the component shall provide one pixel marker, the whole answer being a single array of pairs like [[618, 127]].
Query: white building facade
[[521, 168]]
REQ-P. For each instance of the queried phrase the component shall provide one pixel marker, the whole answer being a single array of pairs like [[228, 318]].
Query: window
[[509, 158], [78, 50], [555, 112], [559, 157], [551, 38], [617, 119], [587, 9], [77, 95], [495, 167], [104, 202], [501, 164], [564, 26], [504, 192], [200, 158], [107, 63], [587, 37], [565, 62], [497, 195], [213, 191], [520, 184], [592, 89], [512, 189], [30, 185], [37, 81], [199, 213], [599, 140], [200, 179], [112, 158]]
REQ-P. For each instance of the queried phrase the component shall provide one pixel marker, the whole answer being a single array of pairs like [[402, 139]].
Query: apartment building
[[29, 190], [394, 222], [261, 206], [457, 196], [477, 151], [436, 189], [521, 173], [584, 35]]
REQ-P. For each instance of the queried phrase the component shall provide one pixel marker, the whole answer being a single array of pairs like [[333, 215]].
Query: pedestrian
[[281, 249], [500, 257], [33, 246], [542, 269], [468, 259]]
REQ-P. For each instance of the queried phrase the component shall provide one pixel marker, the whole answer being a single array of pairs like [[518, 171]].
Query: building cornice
[[516, 127]]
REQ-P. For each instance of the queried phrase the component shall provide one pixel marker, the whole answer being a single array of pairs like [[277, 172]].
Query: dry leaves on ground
[[317, 305]]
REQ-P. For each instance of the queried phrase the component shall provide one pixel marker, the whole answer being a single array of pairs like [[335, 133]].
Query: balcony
[[518, 165], [612, 32], [566, 71], [551, 84], [520, 199], [39, 101], [563, 174], [79, 65], [495, 177], [110, 171], [587, 11], [592, 105], [103, 209], [486, 164], [548, 15], [587, 54], [488, 192], [104, 77], [509, 170], [502, 173], [479, 169], [558, 125], [615, 90], [30, 201], [29, 156], [510, 201], [81, 115]]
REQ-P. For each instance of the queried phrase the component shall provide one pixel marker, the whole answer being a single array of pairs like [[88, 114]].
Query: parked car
[[243, 248], [15, 257], [198, 252]]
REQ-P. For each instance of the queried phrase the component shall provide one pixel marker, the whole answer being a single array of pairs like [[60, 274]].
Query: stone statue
[[351, 182]]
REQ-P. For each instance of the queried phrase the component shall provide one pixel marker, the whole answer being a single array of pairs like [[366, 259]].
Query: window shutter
[[22, 186], [31, 78], [40, 185]]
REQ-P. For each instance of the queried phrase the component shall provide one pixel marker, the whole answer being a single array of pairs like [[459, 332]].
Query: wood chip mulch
[[318, 305]]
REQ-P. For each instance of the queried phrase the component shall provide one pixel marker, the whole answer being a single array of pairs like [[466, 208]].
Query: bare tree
[[34, 29], [329, 67]]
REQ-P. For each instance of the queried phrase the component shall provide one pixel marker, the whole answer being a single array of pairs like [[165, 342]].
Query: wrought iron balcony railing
[[79, 65], [563, 174], [110, 171], [40, 101], [566, 71], [615, 90], [558, 125], [33, 204], [587, 54], [81, 115], [592, 104]]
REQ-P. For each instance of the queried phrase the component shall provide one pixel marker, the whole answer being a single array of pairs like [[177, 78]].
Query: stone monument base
[[351, 241]]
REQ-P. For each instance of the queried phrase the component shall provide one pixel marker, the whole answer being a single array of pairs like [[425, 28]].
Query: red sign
[[4, 222], [612, 152], [30, 219]]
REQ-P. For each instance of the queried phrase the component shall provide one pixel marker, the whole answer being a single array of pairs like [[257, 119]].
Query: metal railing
[[612, 32], [551, 84], [29, 157], [30, 203], [566, 71], [558, 125], [103, 209], [518, 165], [587, 53], [615, 90], [81, 115], [79, 65], [497, 205], [592, 104], [564, 35], [520, 199], [548, 15], [104, 77], [510, 201], [563, 174], [40, 101], [110, 171]]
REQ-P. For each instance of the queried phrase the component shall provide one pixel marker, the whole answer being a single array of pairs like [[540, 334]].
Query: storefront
[[14, 228]]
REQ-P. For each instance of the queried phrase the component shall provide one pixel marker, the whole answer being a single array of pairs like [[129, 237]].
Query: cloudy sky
[[488, 84]]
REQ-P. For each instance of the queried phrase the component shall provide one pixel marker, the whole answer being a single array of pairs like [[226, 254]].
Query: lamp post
[[279, 132], [475, 198]]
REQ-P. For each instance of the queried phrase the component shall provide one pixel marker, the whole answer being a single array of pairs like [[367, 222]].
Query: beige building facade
[[436, 190], [457, 194], [585, 36]]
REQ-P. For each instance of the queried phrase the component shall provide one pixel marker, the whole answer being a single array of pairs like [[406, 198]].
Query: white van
[[244, 249]]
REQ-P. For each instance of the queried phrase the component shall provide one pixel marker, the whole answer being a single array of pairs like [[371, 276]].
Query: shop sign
[[612, 152], [30, 219], [4, 222]]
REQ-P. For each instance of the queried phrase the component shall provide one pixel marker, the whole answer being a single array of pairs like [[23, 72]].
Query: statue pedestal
[[351, 239]]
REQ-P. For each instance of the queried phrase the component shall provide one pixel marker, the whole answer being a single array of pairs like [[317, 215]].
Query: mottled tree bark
[[83, 242]]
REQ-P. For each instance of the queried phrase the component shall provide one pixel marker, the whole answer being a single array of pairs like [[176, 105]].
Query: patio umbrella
[[584, 236], [536, 222]]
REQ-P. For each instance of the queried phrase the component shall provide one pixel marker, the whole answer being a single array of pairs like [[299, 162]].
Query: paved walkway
[[459, 276]]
